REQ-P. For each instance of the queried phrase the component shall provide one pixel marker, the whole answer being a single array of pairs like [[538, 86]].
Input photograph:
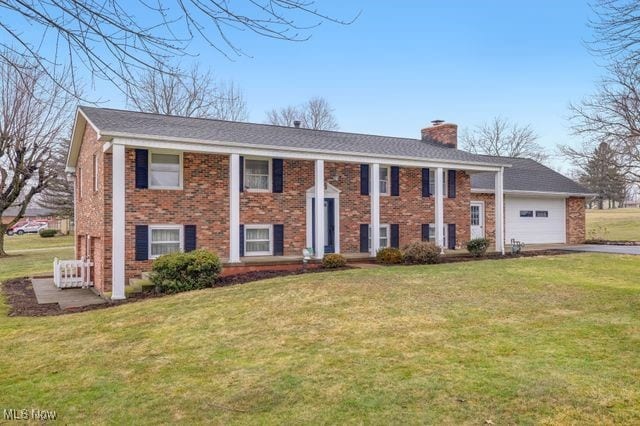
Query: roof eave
[[534, 193]]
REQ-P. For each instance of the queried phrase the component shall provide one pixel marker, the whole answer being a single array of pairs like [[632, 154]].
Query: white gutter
[[534, 193]]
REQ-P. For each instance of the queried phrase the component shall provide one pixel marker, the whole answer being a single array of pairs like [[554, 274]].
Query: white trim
[[330, 192], [499, 211], [374, 194], [269, 161], [181, 169], [533, 193], [439, 208], [298, 154], [154, 227], [319, 211], [234, 208], [388, 169], [258, 253], [482, 217], [118, 223]]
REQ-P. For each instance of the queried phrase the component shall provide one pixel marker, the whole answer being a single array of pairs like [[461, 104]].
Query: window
[[542, 213], [384, 180], [165, 239], [257, 240], [257, 174], [526, 213], [432, 182], [432, 234], [95, 172], [165, 171], [384, 236]]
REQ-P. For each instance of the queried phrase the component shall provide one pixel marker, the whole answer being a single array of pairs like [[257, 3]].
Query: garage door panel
[[535, 230]]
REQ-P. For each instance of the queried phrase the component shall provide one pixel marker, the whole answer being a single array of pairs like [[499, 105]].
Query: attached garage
[[535, 220]]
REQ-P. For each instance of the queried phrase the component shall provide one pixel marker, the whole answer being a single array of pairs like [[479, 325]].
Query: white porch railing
[[72, 273]]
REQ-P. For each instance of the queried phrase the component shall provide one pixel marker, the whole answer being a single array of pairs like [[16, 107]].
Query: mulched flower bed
[[22, 299]]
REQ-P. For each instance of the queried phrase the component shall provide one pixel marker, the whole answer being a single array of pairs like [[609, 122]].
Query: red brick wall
[[489, 214], [90, 208], [575, 214]]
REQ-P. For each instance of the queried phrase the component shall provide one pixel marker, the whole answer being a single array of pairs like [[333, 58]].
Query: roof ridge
[[434, 144]]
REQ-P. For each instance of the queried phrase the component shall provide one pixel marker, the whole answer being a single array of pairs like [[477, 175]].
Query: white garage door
[[535, 220]]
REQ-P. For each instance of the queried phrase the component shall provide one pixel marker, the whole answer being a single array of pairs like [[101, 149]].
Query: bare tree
[[190, 93], [58, 196], [315, 114], [616, 28], [504, 139], [116, 39], [34, 114], [612, 115]]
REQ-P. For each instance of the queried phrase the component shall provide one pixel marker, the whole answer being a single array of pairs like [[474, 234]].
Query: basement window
[[384, 236], [445, 233], [257, 240], [165, 239]]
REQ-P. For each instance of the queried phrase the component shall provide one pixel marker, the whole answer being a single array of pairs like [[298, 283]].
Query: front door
[[329, 224], [477, 220]]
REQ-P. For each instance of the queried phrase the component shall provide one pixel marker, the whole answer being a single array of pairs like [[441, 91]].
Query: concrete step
[[143, 284], [146, 275]]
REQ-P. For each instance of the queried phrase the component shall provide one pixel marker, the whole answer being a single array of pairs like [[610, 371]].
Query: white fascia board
[[217, 147], [79, 125], [534, 193]]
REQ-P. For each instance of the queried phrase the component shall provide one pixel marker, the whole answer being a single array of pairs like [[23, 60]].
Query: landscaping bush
[[421, 252], [389, 256], [333, 260], [478, 246], [177, 272], [48, 233]]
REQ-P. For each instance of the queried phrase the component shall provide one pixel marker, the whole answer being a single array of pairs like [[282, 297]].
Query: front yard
[[536, 340], [33, 255], [614, 224]]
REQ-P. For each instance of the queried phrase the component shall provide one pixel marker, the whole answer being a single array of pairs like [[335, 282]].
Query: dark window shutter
[[142, 168], [241, 240], [452, 236], [364, 179], [142, 242], [425, 232], [241, 173], [395, 235], [452, 183], [278, 174], [189, 237], [364, 238], [395, 181], [278, 240], [425, 183]]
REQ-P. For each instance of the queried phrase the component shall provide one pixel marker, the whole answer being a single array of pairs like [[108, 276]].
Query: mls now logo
[[25, 414]]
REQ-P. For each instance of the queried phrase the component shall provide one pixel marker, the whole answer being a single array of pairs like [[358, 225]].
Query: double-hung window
[[257, 174], [384, 236], [165, 170], [432, 233], [384, 180], [165, 239], [258, 240], [432, 182]]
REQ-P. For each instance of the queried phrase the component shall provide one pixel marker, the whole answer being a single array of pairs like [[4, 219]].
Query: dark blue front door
[[329, 224]]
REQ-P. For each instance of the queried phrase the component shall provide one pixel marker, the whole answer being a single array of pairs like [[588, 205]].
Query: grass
[[33, 255], [34, 241], [620, 224], [533, 340]]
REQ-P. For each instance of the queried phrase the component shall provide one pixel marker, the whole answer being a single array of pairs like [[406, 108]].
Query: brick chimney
[[442, 133]]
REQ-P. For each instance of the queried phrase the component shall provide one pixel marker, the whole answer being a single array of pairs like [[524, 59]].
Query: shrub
[[333, 260], [478, 246], [48, 233], [389, 256], [421, 252], [177, 272]]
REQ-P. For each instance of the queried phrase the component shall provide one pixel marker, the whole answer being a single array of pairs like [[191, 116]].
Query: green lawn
[[532, 340], [33, 255], [614, 224], [35, 241]]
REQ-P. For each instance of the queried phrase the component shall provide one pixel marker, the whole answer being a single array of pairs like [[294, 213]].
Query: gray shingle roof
[[114, 122], [528, 175]]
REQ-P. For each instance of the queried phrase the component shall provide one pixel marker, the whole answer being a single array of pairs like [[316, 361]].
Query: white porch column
[[499, 201], [118, 223], [374, 191], [439, 207], [319, 209], [234, 208]]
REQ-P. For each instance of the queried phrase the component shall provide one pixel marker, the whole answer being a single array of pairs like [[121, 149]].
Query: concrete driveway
[[601, 248]]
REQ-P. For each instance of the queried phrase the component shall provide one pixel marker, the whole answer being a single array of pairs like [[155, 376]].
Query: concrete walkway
[[602, 248], [47, 292]]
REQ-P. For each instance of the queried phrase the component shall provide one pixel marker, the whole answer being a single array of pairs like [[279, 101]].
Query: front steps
[[139, 285]]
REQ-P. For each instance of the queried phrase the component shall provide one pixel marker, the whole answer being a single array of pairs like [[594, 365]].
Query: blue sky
[[404, 63]]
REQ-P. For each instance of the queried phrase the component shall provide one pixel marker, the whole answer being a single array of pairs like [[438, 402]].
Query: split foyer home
[[149, 184]]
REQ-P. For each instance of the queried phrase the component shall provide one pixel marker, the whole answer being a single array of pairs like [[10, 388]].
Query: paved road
[[601, 248]]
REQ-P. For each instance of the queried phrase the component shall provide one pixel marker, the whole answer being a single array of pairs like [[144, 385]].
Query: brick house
[[149, 184]]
